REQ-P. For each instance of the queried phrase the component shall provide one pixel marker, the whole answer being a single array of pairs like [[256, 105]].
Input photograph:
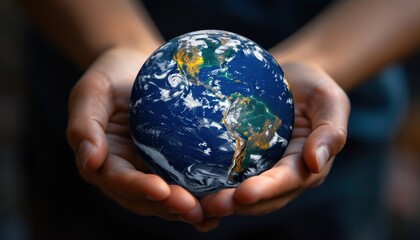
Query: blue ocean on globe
[[209, 109]]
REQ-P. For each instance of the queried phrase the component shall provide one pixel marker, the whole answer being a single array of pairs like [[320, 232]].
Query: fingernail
[[85, 151], [322, 156]]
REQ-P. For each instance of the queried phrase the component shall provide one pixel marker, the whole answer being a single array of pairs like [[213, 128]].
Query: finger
[[184, 204], [179, 206], [266, 206], [89, 109], [223, 204], [220, 204], [302, 127], [287, 175], [204, 201], [119, 178], [329, 113], [194, 216], [180, 201]]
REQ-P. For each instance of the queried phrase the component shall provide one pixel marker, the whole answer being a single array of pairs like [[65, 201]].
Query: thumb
[[329, 117], [89, 111], [323, 144]]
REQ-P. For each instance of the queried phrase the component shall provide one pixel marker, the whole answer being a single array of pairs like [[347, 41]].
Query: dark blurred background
[[12, 117], [401, 190]]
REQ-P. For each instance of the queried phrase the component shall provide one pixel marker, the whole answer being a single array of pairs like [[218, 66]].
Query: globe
[[209, 109]]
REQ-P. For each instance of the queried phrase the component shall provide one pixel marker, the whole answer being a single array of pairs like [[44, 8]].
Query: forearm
[[84, 29], [353, 39]]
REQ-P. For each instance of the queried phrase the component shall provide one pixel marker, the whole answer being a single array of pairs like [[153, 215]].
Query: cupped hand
[[98, 132], [321, 115]]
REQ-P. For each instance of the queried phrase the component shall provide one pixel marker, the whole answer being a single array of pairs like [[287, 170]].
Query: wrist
[[311, 53]]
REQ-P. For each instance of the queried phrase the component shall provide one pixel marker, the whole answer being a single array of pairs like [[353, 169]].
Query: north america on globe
[[209, 109]]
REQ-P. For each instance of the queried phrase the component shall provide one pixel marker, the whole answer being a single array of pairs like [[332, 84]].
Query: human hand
[[98, 132], [321, 115]]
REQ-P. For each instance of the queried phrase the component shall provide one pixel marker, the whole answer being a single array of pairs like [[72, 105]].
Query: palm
[[118, 135]]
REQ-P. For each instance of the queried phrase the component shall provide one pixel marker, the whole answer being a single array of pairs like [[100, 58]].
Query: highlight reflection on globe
[[209, 109]]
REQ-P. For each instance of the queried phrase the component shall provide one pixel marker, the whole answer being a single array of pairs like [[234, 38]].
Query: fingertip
[[92, 154], [221, 204], [204, 202], [180, 200], [88, 140], [194, 216], [158, 189], [321, 146], [89, 156], [252, 190], [89, 109]]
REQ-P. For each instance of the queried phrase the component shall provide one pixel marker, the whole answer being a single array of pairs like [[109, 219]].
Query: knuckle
[[295, 182]]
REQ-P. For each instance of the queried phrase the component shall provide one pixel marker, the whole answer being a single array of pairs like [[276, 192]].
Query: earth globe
[[209, 109]]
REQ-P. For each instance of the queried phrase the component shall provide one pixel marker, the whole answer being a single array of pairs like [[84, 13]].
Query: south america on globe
[[209, 109]]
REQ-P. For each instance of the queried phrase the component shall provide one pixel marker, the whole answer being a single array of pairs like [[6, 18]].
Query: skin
[[112, 42], [105, 153]]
